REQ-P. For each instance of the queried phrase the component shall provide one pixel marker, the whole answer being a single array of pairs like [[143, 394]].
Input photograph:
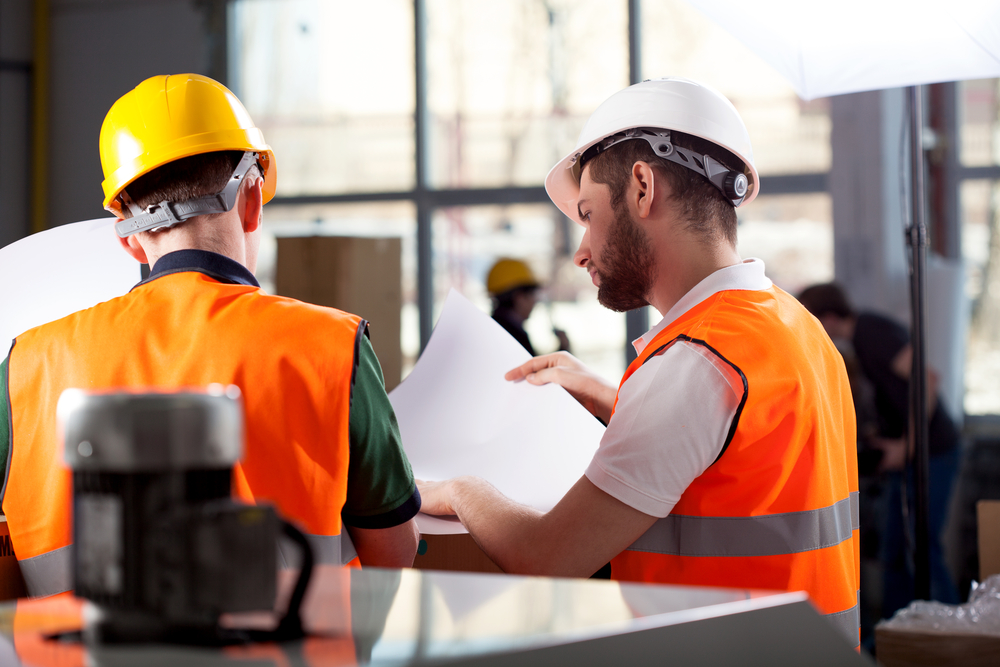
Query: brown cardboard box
[[898, 648], [11, 583], [904, 648], [988, 518], [360, 275], [458, 553]]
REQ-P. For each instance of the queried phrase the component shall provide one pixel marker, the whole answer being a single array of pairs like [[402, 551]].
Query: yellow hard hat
[[508, 274], [166, 118]]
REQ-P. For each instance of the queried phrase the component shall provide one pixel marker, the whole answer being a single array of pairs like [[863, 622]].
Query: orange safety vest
[[779, 508], [292, 361]]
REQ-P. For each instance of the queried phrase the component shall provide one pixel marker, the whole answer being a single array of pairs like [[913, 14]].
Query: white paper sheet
[[51, 274], [458, 416]]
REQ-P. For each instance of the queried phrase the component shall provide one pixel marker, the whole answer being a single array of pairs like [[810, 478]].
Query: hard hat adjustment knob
[[736, 185]]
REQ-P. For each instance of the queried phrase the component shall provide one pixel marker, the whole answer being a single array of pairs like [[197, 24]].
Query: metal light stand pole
[[636, 321], [916, 235]]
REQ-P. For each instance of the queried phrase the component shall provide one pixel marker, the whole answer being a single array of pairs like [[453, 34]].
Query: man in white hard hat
[[729, 456]]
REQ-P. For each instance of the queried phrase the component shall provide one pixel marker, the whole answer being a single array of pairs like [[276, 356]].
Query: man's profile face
[[615, 249]]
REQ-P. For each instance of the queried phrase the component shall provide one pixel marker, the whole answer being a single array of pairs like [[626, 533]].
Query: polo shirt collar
[[748, 275], [211, 264]]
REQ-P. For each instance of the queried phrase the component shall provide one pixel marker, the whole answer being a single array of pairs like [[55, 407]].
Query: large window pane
[[788, 135], [468, 240], [511, 83], [793, 235], [979, 113], [981, 252], [330, 82]]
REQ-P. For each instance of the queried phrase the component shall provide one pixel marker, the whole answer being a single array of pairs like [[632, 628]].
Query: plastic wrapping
[[979, 616]]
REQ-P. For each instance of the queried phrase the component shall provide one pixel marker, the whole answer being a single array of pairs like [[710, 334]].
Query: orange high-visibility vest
[[292, 361], [779, 508]]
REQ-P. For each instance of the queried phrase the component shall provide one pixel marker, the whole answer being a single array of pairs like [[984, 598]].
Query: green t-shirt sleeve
[[4, 423], [381, 492]]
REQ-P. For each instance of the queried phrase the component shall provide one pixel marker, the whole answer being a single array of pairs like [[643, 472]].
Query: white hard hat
[[649, 111]]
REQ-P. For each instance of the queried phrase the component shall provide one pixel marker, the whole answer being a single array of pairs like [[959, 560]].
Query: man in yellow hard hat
[[188, 173], [514, 290]]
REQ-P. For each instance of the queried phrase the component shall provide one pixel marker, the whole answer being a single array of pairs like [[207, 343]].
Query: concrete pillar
[[869, 179], [870, 185], [15, 119], [99, 51]]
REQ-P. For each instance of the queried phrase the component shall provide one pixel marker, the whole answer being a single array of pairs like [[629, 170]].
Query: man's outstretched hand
[[562, 368], [435, 498]]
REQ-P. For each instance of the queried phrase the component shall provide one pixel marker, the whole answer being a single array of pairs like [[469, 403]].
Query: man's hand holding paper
[[593, 392]]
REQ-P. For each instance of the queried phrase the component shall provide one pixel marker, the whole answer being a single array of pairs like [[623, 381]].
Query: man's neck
[[683, 266], [220, 240]]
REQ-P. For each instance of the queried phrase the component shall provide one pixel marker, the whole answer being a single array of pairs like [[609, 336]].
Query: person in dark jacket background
[[514, 290]]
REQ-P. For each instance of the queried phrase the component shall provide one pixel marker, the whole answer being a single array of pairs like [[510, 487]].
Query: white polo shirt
[[674, 413]]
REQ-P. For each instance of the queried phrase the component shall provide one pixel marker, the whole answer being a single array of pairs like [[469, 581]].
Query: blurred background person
[[880, 348], [514, 289]]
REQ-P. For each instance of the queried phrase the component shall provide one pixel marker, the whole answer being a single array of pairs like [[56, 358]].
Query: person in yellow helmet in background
[[187, 173], [514, 289]]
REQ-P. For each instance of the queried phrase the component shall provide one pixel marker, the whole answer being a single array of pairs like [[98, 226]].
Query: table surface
[[381, 616]]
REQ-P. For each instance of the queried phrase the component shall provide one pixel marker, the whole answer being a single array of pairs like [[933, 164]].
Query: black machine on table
[[160, 547]]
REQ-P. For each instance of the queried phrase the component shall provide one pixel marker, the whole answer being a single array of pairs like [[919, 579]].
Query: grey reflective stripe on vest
[[327, 550], [768, 535], [48, 573], [333, 549], [848, 622]]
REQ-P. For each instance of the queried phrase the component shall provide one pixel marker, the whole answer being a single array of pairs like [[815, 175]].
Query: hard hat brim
[[699, 110], [237, 140], [562, 184]]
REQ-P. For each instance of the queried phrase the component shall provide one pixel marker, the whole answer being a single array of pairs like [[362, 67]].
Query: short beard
[[627, 268]]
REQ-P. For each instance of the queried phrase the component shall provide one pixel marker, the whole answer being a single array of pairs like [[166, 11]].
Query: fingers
[[531, 366], [545, 376], [536, 364]]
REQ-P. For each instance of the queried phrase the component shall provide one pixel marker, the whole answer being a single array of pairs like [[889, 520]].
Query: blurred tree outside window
[[979, 117]]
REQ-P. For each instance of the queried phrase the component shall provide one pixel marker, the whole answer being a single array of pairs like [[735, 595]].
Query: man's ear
[[252, 205], [642, 188], [133, 247]]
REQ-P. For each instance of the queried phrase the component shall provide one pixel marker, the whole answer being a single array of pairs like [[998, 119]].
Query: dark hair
[[705, 209], [183, 179], [825, 299], [505, 300]]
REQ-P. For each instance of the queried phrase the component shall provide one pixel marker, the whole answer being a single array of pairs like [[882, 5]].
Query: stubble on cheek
[[627, 268]]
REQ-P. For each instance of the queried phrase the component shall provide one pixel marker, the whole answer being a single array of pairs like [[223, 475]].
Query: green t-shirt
[[381, 492]]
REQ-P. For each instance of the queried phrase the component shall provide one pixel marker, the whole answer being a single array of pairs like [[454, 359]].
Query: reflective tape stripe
[[768, 535], [327, 550], [333, 549], [848, 622], [48, 573]]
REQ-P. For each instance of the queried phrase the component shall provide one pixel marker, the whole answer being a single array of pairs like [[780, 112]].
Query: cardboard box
[[457, 553], [11, 582], [359, 275], [896, 647], [904, 648], [988, 519]]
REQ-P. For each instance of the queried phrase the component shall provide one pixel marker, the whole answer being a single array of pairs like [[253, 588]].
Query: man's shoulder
[[290, 307]]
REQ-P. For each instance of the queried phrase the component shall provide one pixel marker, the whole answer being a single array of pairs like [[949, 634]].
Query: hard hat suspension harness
[[167, 213], [733, 184]]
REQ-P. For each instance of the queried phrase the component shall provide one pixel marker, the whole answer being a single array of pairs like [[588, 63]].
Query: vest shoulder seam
[[746, 388]]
